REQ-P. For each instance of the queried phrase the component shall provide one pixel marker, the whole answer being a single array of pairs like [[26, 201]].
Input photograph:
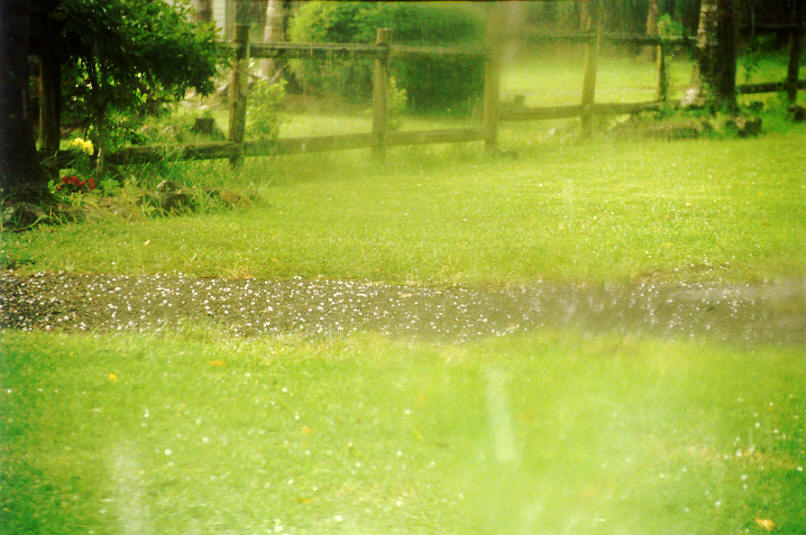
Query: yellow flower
[[765, 524], [84, 145]]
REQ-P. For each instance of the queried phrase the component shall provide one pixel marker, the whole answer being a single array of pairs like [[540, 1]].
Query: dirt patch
[[774, 312]]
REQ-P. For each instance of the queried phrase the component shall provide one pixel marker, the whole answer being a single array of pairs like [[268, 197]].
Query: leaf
[[217, 363]]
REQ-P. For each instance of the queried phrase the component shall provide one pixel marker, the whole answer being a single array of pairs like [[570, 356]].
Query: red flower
[[75, 184]]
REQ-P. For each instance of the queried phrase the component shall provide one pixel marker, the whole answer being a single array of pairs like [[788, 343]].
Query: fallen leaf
[[308, 430], [217, 363], [765, 524], [113, 377]]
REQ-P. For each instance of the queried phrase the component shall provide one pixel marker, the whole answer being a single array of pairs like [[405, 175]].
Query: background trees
[[102, 61], [430, 83]]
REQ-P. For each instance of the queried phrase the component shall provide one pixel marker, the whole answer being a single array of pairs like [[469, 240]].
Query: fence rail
[[617, 38], [230, 149], [314, 50], [768, 87], [577, 110], [286, 50]]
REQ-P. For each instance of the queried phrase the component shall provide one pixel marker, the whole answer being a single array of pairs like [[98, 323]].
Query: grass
[[714, 209], [546, 432]]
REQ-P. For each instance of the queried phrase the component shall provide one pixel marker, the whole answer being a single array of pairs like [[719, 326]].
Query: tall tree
[[21, 176], [714, 75]]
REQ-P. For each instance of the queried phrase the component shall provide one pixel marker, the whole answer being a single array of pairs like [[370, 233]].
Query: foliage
[[176, 126], [669, 28], [119, 57], [757, 50], [263, 113], [430, 83], [341, 23], [618, 15]]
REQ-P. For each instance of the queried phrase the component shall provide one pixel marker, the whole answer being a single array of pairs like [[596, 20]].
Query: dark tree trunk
[[50, 81], [793, 66], [21, 175], [714, 76]]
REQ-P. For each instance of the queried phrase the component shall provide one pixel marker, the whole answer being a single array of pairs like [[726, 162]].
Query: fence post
[[380, 96], [663, 76], [794, 54], [589, 79], [492, 91], [492, 78], [238, 89]]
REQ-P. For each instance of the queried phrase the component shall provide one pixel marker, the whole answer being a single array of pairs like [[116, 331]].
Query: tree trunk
[[793, 66], [713, 81], [274, 30], [203, 10], [50, 80], [97, 80], [21, 176]]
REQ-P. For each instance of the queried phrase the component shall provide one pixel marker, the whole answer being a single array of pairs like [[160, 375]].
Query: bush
[[430, 83], [263, 113]]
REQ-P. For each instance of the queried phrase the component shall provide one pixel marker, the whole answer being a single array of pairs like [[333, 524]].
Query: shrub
[[430, 83], [120, 58], [263, 112]]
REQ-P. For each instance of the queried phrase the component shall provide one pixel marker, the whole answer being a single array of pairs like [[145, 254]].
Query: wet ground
[[773, 312]]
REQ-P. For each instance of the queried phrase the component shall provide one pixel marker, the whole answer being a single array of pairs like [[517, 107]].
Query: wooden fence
[[592, 39], [381, 137], [236, 147], [791, 84]]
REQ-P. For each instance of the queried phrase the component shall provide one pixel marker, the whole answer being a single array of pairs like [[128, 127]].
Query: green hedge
[[431, 83]]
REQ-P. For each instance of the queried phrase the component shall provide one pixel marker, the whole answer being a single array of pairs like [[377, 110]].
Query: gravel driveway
[[773, 312]]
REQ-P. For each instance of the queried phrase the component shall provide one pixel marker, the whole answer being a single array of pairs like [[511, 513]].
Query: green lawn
[[548, 432], [710, 209]]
